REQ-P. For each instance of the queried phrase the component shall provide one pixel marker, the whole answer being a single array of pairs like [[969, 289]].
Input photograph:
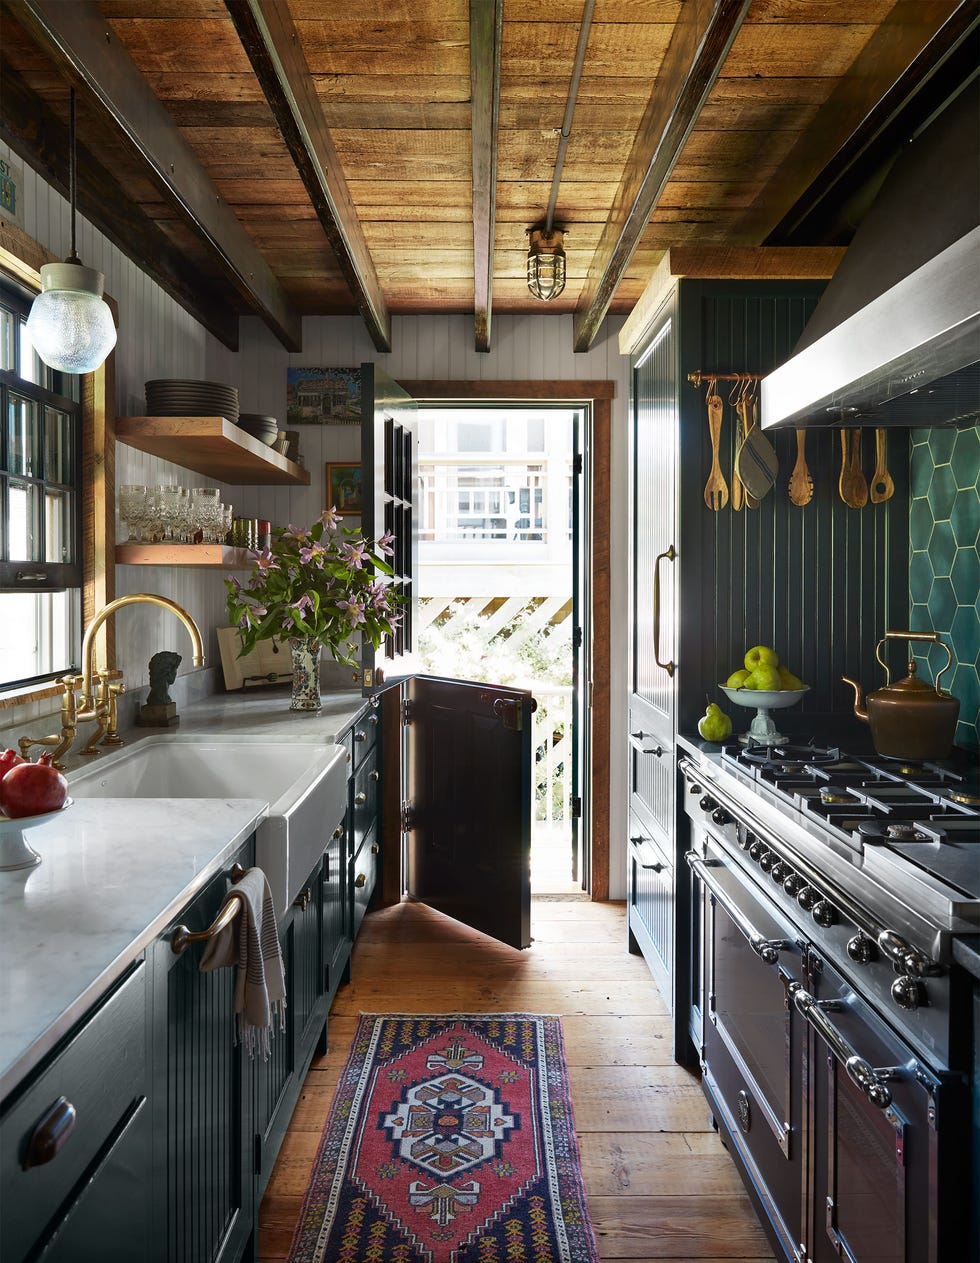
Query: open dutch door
[[464, 747]]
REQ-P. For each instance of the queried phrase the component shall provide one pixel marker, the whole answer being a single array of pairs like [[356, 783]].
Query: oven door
[[752, 1051], [882, 1125]]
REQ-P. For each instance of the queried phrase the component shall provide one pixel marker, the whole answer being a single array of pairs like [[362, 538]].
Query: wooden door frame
[[598, 395]]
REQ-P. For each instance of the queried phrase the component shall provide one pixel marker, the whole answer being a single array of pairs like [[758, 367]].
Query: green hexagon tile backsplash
[[944, 563]]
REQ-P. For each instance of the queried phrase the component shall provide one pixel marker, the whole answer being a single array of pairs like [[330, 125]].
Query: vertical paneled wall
[[819, 583], [944, 564]]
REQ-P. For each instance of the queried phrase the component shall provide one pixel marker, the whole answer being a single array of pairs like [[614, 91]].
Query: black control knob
[[694, 788], [721, 816], [707, 804], [779, 872], [768, 861], [807, 897], [757, 850], [824, 913], [862, 949], [793, 884], [746, 839], [908, 993]]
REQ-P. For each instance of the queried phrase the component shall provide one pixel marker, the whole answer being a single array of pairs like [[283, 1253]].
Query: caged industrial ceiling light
[[546, 263], [69, 323], [546, 255]]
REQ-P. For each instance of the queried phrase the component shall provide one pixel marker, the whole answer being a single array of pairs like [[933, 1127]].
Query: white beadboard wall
[[158, 339]]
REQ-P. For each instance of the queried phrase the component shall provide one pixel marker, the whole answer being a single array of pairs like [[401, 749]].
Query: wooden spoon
[[853, 488], [882, 487], [800, 481], [716, 488]]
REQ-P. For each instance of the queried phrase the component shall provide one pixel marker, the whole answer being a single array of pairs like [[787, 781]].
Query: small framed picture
[[344, 489]]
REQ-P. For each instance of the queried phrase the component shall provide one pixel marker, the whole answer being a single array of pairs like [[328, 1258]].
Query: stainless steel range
[[835, 1036]]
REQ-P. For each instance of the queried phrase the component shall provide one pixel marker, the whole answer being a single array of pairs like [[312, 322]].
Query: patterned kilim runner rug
[[450, 1140]]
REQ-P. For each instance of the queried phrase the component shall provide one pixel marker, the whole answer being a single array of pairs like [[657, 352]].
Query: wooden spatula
[[852, 486], [882, 487], [800, 481], [716, 488]]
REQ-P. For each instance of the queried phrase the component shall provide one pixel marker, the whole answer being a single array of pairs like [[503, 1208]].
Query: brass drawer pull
[[360, 880], [374, 776], [303, 899], [183, 937], [360, 799], [49, 1136]]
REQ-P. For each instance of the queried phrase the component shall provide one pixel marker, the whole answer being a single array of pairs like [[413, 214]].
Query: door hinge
[[575, 806], [577, 464], [406, 712], [577, 638], [408, 818]]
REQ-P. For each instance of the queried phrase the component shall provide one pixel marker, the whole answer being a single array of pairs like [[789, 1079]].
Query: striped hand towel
[[251, 944]]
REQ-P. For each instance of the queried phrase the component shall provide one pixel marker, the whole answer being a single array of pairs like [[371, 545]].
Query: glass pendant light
[[546, 263], [69, 323]]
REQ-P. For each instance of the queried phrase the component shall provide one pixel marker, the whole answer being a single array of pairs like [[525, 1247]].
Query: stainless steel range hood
[[895, 339]]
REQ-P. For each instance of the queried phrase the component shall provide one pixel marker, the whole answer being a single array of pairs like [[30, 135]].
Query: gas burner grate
[[787, 757]]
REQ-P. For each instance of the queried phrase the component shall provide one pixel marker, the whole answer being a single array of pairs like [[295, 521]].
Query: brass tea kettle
[[909, 720]]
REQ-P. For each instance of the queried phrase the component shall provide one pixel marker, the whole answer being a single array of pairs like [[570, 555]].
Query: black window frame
[[61, 392]]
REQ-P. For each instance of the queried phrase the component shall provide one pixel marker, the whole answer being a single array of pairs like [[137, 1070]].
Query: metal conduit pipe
[[566, 126]]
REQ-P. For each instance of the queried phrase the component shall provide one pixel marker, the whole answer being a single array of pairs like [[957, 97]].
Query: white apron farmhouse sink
[[305, 787]]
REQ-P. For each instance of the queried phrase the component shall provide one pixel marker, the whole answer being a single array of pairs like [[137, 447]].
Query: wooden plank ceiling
[[351, 147]]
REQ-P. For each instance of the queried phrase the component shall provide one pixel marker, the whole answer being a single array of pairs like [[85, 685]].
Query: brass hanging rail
[[698, 377], [233, 904]]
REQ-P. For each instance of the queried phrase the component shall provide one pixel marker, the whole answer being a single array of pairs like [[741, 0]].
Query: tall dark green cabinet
[[818, 583]]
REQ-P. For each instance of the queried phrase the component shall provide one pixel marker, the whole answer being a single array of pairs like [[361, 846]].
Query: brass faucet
[[101, 707]]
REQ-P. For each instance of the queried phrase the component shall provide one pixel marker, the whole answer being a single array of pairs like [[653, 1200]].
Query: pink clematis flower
[[385, 542], [354, 609], [355, 555], [330, 517]]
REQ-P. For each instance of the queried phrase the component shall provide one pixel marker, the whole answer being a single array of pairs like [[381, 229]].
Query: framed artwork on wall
[[344, 488], [323, 396]]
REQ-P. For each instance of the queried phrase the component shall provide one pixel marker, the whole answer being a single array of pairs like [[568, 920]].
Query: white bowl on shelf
[[763, 730]]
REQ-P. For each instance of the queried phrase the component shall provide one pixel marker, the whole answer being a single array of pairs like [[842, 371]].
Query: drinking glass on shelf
[[227, 513], [167, 502], [207, 506], [132, 497]]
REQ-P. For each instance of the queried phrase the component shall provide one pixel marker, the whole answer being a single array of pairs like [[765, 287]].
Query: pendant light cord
[[72, 172]]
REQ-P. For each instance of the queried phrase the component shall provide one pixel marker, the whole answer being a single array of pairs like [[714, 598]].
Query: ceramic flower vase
[[305, 652]]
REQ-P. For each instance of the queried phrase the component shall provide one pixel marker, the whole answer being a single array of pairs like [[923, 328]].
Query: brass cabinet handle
[[303, 899], [670, 554], [360, 880], [234, 902], [360, 799], [50, 1135], [374, 776]]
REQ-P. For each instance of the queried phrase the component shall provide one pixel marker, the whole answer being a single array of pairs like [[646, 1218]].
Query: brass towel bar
[[183, 937], [698, 377]]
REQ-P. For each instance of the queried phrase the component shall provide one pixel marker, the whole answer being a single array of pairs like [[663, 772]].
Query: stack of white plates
[[171, 397]]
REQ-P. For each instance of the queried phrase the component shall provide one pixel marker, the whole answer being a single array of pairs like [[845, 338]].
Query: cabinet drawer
[[364, 801], [364, 736], [101, 1072], [363, 870]]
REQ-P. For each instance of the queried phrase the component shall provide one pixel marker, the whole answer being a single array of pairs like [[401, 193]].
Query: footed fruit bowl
[[15, 852], [762, 729]]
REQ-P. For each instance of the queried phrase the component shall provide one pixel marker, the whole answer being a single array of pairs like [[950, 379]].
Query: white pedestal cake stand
[[15, 851], [762, 730]]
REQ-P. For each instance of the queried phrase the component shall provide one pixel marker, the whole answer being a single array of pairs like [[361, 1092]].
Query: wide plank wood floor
[[660, 1183]]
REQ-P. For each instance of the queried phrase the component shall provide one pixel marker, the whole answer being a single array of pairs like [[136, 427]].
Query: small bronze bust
[[163, 672]]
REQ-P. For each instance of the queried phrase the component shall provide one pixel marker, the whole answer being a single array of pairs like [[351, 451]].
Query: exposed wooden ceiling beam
[[914, 60], [698, 46], [79, 41], [32, 130], [486, 38], [269, 37]]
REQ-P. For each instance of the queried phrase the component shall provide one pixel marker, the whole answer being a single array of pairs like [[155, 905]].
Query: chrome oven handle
[[872, 1082], [766, 948]]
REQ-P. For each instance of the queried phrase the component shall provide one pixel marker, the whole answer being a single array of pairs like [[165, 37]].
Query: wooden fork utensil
[[716, 488]]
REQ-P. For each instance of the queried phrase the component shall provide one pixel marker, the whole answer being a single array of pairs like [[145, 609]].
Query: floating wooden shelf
[[208, 556], [212, 446]]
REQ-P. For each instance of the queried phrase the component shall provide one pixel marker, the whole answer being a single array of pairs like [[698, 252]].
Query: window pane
[[57, 526], [35, 633], [24, 538], [57, 446], [8, 340], [22, 436]]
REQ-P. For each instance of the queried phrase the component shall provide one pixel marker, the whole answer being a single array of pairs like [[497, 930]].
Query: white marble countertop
[[115, 872]]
